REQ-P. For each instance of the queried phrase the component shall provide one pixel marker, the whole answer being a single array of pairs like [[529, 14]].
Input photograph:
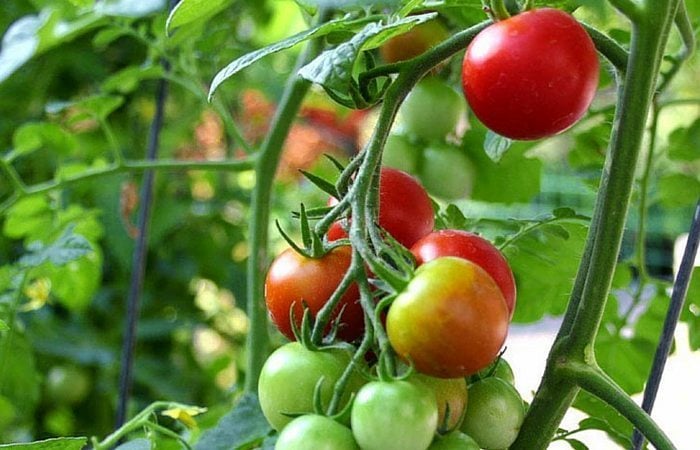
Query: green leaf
[[68, 247], [515, 178], [136, 444], [496, 145], [65, 443], [677, 190], [691, 310], [576, 444], [29, 217], [312, 6], [75, 284], [106, 36], [187, 11], [19, 379], [590, 147], [544, 263], [33, 136], [246, 60], [243, 425], [128, 79], [129, 8], [333, 69], [626, 360], [684, 143]]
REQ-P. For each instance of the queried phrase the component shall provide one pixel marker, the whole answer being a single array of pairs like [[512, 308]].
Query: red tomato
[[294, 278], [476, 249], [532, 75], [405, 210], [451, 319]]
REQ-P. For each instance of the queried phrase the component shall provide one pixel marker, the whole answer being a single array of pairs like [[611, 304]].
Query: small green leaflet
[[243, 425], [49, 444], [68, 247], [333, 69], [246, 60], [129, 8], [496, 145], [312, 6], [188, 11]]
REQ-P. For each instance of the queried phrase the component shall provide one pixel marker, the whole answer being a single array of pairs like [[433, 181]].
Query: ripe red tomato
[[532, 75], [464, 244], [294, 278], [451, 319], [405, 210]]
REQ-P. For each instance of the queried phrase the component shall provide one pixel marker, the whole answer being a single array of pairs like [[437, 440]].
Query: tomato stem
[[499, 10]]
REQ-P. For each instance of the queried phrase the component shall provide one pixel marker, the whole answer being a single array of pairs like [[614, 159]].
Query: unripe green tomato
[[315, 432], [499, 369], [289, 376], [494, 414], [451, 397], [67, 384], [446, 172], [414, 42], [454, 441], [431, 110], [400, 153], [394, 415]]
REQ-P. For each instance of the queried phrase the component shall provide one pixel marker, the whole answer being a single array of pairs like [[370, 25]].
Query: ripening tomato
[[532, 75], [451, 319], [431, 110], [446, 171], [451, 397], [414, 42], [294, 279], [405, 210], [289, 377], [315, 432], [401, 154], [464, 244]]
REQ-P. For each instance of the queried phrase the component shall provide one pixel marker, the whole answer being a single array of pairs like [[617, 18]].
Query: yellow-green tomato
[[67, 384], [314, 432], [446, 172], [394, 415], [454, 441], [499, 369], [400, 153], [289, 377], [451, 397], [431, 110], [494, 414]]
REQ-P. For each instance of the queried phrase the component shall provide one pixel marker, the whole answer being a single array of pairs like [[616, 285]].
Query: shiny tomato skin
[[454, 441], [532, 75], [294, 278], [451, 396], [472, 247], [405, 209], [315, 432], [450, 321]]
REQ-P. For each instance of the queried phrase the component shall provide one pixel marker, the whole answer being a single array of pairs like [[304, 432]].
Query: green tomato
[[317, 433], [400, 153], [494, 414], [454, 441], [289, 377], [67, 384], [499, 369], [431, 110], [396, 415], [451, 397], [446, 172]]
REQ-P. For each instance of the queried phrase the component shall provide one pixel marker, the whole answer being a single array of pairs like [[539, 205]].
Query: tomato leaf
[[64, 443], [249, 58], [576, 444], [496, 145], [604, 418], [684, 143], [19, 379], [244, 424], [312, 6], [68, 247], [676, 190], [188, 11], [35, 135]]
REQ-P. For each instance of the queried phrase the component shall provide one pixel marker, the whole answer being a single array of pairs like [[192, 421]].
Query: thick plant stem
[[257, 344], [556, 392]]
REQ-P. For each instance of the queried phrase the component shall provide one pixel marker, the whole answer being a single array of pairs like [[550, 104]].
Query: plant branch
[[598, 383], [613, 52], [257, 343], [12, 176]]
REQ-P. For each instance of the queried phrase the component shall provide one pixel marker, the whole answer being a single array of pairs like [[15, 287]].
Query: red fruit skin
[[294, 278], [532, 75], [405, 209], [474, 248]]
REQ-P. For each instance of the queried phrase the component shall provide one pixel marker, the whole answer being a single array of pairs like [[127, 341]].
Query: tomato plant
[[450, 321], [517, 92], [315, 432], [447, 172], [294, 280], [472, 247], [405, 210], [290, 375], [451, 398], [394, 415], [431, 110], [494, 413]]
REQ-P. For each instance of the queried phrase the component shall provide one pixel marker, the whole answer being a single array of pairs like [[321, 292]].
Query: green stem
[[117, 153], [12, 176], [258, 341], [613, 52], [11, 318], [582, 320], [629, 8], [594, 380]]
